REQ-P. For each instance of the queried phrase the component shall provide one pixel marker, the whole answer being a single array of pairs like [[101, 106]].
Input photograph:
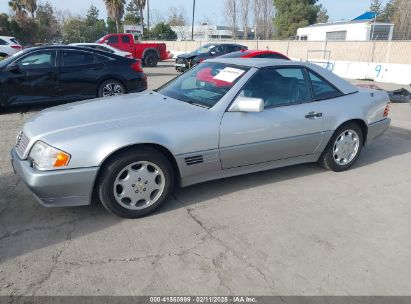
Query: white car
[[9, 46], [105, 48]]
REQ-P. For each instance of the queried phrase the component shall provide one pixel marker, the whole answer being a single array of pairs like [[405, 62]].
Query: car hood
[[131, 110], [187, 55]]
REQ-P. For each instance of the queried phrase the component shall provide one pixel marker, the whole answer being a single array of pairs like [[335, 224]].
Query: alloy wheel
[[139, 185], [346, 147], [112, 89]]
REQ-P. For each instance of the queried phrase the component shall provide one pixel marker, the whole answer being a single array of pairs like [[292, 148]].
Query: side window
[[322, 89], [125, 39], [219, 49], [278, 87], [112, 39], [2, 42], [70, 58], [232, 48], [14, 40], [38, 60]]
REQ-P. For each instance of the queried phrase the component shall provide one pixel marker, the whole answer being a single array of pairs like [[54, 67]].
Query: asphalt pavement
[[299, 230]]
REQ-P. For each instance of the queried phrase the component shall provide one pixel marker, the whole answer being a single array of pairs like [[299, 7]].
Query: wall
[[379, 72], [398, 52]]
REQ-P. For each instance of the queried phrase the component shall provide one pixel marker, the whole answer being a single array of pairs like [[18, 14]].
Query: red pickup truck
[[148, 53]]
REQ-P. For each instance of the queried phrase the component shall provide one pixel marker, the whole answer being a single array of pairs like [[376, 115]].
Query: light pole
[[373, 26], [148, 19], [192, 22]]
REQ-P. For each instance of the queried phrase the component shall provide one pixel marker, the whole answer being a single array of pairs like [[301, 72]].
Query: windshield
[[205, 84], [204, 49]]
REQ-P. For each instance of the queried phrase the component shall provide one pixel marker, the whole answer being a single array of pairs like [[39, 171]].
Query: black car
[[186, 61], [55, 74]]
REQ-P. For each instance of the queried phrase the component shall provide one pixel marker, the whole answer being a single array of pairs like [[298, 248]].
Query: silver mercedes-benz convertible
[[222, 118]]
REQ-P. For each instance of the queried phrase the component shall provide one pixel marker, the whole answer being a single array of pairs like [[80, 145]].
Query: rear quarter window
[[322, 89]]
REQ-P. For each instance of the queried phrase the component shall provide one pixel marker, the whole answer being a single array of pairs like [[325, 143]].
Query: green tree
[[141, 4], [95, 27], [388, 12], [92, 15], [112, 26], [17, 7], [74, 30], [48, 27], [4, 24], [376, 6], [115, 10], [163, 31], [292, 14], [322, 16], [31, 6], [132, 15]]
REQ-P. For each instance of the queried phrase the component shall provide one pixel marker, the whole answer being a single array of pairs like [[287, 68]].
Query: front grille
[[21, 144]]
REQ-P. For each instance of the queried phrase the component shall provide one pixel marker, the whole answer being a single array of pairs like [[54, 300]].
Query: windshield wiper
[[195, 104]]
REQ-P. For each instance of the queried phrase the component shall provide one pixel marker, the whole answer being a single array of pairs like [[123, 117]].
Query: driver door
[[284, 129], [33, 79]]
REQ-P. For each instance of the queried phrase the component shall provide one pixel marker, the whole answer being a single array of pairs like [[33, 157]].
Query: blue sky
[[211, 9]]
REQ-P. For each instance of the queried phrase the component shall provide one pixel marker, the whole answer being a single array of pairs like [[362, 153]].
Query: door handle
[[313, 115]]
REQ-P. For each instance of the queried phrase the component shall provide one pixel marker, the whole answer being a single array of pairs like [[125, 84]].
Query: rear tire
[[150, 60], [135, 182], [110, 88], [344, 148]]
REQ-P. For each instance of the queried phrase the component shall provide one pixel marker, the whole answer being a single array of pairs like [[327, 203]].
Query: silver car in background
[[224, 117]]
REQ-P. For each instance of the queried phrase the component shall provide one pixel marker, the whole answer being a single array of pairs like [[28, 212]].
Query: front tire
[[135, 182], [344, 148], [110, 88]]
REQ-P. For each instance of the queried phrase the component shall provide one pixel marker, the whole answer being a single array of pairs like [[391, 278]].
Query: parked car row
[[223, 50]]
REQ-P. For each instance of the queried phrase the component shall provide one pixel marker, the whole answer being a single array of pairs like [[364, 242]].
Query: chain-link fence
[[364, 51]]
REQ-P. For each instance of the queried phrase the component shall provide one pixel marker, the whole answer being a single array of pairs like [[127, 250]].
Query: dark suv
[[211, 50]]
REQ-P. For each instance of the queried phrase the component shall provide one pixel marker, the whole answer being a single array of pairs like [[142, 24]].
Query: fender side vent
[[193, 160]]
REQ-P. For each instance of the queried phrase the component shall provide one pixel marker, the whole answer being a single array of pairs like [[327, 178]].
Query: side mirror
[[213, 53], [247, 104], [13, 67]]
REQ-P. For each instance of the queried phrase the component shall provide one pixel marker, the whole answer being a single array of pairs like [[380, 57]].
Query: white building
[[208, 32], [203, 32], [355, 30]]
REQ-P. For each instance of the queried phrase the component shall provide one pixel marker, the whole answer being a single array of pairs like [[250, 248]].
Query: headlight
[[46, 157]]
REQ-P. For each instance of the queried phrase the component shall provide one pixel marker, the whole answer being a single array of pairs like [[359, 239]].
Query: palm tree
[[141, 4], [17, 7], [115, 10], [30, 5]]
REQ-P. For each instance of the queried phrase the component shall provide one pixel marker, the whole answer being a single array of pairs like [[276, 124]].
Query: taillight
[[386, 110], [136, 66], [16, 46]]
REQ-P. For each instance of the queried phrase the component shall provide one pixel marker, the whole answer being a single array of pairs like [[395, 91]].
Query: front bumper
[[377, 129], [57, 188]]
